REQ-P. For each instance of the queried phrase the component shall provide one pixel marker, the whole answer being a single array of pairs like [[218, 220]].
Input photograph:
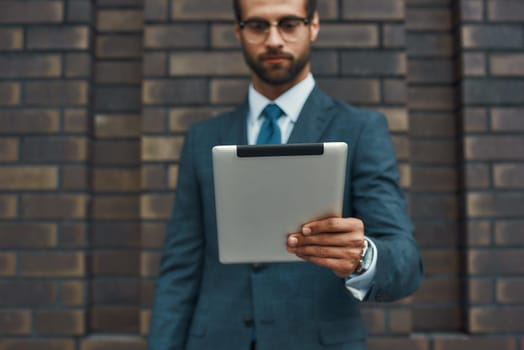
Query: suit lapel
[[314, 118]]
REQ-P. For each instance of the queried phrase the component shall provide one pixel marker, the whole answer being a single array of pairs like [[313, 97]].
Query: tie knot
[[272, 112]]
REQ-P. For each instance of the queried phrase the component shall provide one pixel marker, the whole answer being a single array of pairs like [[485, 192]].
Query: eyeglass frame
[[304, 20]]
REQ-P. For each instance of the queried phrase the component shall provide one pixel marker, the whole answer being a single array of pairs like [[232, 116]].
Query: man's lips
[[275, 58]]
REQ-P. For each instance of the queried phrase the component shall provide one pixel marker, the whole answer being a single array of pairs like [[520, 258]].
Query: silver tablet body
[[265, 192]]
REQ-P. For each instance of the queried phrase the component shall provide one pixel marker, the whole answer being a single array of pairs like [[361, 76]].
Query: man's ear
[[315, 27]]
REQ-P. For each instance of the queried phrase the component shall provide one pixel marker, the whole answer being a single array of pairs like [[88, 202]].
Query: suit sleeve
[[378, 201], [181, 264]]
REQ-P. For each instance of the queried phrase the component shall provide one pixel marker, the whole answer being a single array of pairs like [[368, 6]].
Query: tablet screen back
[[265, 192]]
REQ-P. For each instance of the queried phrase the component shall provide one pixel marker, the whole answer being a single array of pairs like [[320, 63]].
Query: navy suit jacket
[[203, 304]]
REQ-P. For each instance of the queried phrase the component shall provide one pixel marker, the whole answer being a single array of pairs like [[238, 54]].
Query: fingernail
[[292, 241], [306, 230]]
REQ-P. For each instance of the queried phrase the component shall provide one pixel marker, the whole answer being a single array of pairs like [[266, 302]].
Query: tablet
[[265, 192]]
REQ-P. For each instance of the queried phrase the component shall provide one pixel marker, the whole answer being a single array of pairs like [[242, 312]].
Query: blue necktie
[[270, 131]]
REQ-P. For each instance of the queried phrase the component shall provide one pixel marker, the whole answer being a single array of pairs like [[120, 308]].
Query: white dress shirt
[[291, 102]]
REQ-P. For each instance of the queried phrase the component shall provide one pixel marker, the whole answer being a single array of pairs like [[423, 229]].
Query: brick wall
[[95, 99]]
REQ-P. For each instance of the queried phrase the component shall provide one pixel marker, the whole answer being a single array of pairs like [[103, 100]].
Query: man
[[368, 254]]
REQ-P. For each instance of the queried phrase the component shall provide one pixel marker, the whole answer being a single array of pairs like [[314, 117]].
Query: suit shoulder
[[347, 112], [214, 122]]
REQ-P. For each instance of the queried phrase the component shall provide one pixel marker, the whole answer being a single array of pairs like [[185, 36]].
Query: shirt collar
[[291, 101]]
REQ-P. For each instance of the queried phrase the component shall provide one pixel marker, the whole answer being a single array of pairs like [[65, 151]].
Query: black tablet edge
[[299, 149]]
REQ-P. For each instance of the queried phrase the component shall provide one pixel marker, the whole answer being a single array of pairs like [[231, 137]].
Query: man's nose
[[273, 37]]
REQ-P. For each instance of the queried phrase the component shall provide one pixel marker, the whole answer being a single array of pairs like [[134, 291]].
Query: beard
[[277, 74]]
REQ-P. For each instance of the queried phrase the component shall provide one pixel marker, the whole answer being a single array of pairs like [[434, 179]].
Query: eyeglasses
[[257, 30]]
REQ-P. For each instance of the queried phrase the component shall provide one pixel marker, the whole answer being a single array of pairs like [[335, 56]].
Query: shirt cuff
[[359, 285]]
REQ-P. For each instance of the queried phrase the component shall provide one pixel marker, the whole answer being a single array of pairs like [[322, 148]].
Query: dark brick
[[400, 321], [433, 151], [56, 93], [7, 268], [111, 263], [114, 207], [121, 20], [438, 290], [51, 264], [352, 90], [393, 36], [478, 233], [207, 63], [187, 35], [228, 91], [119, 46], [223, 36], [115, 319], [175, 91], [118, 99], [201, 9], [373, 63], [505, 10], [154, 120], [444, 318], [441, 98], [492, 37], [496, 320], [434, 206], [374, 320], [507, 65], [434, 71], [432, 124], [429, 44], [398, 343], [29, 178], [477, 176], [433, 178], [8, 206], [75, 120], [156, 10], [510, 290], [54, 206], [472, 10], [74, 177], [435, 234], [483, 343], [11, 38], [324, 62], [152, 234], [117, 125], [394, 91], [481, 290], [508, 232], [493, 91], [73, 235], [58, 38], [155, 64], [474, 64], [475, 119], [116, 180], [114, 343], [122, 152], [150, 264], [153, 177], [496, 204], [501, 262], [27, 235], [508, 176], [348, 36], [31, 12], [161, 148], [155, 206], [54, 149], [72, 293], [373, 9], [438, 19], [23, 66], [9, 149], [118, 72], [26, 121], [507, 119], [15, 323], [37, 344], [494, 148], [78, 65], [9, 94], [79, 11], [60, 323], [116, 291], [19, 293]]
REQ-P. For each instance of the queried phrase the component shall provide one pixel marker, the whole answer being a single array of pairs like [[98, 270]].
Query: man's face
[[276, 60]]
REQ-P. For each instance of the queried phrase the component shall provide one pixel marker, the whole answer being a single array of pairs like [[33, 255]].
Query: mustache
[[275, 54]]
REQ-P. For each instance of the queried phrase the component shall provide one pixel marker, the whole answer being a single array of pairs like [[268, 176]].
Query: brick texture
[[95, 100]]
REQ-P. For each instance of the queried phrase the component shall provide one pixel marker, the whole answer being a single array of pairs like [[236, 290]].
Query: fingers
[[333, 225], [326, 239]]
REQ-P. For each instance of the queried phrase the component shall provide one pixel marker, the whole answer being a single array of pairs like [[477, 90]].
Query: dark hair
[[311, 7]]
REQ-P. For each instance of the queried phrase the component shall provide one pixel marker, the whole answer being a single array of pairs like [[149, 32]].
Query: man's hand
[[335, 243]]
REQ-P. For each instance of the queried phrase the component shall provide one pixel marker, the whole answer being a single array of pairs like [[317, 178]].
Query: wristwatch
[[365, 258]]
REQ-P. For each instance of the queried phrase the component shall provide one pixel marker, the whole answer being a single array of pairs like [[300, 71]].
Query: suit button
[[248, 322]]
